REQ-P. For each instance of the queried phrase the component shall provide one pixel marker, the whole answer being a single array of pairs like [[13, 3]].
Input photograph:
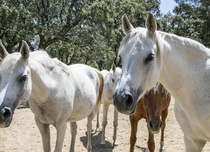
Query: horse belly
[[77, 115], [86, 92], [83, 107]]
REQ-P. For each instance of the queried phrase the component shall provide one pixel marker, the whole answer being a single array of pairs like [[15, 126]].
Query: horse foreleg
[[164, 116], [104, 123], [193, 145], [89, 128], [151, 142], [134, 125], [61, 130], [45, 133], [73, 135], [115, 123]]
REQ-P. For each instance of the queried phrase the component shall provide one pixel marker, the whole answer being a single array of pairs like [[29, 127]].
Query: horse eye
[[112, 80], [149, 58], [23, 78], [119, 62]]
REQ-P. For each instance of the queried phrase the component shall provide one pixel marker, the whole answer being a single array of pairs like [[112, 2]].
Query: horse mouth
[[5, 117], [153, 131], [125, 102], [6, 123], [125, 110]]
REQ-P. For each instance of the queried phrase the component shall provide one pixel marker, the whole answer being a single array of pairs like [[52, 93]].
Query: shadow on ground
[[96, 139]]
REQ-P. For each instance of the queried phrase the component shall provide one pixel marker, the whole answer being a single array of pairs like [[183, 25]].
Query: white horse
[[181, 64], [9, 100], [57, 93], [110, 80], [104, 73]]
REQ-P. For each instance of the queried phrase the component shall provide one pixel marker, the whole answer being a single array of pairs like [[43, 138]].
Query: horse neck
[[43, 80], [182, 58]]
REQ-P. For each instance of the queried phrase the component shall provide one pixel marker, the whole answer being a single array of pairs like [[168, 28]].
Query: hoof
[[161, 150], [102, 144], [98, 130], [146, 150], [115, 143]]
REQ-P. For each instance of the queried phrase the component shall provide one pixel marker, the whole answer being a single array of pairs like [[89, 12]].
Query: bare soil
[[23, 135]]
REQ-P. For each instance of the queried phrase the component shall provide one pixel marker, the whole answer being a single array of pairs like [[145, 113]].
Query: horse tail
[[100, 90]]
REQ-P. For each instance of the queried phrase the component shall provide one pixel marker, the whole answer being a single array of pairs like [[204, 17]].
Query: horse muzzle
[[154, 126], [124, 103], [5, 117]]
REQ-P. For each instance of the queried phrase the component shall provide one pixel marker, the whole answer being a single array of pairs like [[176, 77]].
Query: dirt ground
[[23, 135]]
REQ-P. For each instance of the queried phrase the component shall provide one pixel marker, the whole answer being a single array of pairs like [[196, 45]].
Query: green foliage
[[191, 19], [89, 31], [74, 31]]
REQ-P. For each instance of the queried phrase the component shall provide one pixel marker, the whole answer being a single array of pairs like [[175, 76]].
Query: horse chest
[[43, 115], [47, 114], [193, 118], [46, 117]]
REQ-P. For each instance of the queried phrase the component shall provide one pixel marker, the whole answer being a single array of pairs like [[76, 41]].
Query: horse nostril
[[5, 113], [150, 124], [128, 100]]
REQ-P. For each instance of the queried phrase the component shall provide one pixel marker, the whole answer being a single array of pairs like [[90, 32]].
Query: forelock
[[10, 61], [133, 35]]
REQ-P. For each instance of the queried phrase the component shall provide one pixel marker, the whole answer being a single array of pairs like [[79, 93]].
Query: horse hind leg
[[115, 123], [89, 128], [97, 123], [73, 135], [104, 123]]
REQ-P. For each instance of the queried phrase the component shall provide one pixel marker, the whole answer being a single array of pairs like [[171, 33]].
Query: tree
[[74, 31], [191, 19]]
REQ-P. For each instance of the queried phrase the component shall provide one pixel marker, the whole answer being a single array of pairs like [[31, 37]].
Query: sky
[[166, 6]]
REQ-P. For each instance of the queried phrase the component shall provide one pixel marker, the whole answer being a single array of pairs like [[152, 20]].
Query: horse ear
[[3, 51], [151, 24], [127, 26], [24, 50], [113, 67]]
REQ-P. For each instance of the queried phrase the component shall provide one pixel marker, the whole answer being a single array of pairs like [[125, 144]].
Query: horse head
[[115, 75], [154, 105], [15, 84], [139, 56]]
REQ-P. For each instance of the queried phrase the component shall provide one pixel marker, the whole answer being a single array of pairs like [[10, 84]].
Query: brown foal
[[153, 105]]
